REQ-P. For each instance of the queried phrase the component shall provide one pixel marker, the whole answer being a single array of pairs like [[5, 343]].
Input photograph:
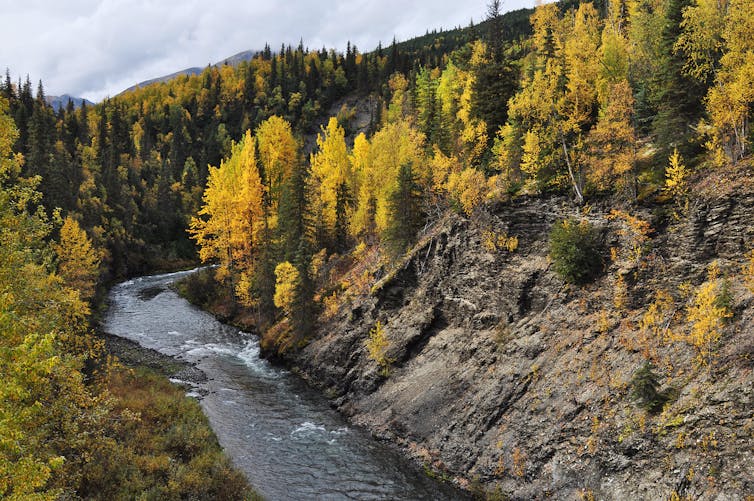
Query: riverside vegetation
[[522, 251]]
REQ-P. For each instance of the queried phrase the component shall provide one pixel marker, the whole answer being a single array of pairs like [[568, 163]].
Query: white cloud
[[95, 48]]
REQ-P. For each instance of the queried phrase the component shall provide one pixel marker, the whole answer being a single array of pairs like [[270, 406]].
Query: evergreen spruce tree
[[496, 80], [677, 98], [343, 201], [406, 216]]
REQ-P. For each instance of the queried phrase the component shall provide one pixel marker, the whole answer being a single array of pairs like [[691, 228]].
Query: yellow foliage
[[468, 188], [519, 462], [396, 144], [711, 27], [707, 317], [442, 166], [78, 260], [493, 241], [331, 304], [612, 141], [286, 282], [229, 223], [377, 346], [330, 168], [656, 321], [676, 184], [278, 153], [635, 233], [603, 322], [620, 293], [398, 109]]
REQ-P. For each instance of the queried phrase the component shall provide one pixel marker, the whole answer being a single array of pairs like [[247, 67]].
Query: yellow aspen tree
[[278, 153], [377, 346], [730, 99], [473, 133], [701, 40], [330, 169], [78, 260], [213, 228], [287, 280], [398, 108], [529, 142], [576, 107], [362, 218], [612, 141], [227, 227], [707, 317], [396, 144], [676, 181], [360, 160], [468, 189], [252, 217], [449, 90]]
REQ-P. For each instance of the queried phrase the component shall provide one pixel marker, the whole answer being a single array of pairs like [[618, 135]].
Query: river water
[[282, 434]]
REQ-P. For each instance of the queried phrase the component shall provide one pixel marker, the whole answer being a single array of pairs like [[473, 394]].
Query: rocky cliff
[[504, 376]]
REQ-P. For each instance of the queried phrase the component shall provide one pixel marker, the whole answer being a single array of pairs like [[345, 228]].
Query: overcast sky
[[96, 48]]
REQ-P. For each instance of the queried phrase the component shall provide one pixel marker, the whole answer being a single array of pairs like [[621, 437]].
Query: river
[[282, 434]]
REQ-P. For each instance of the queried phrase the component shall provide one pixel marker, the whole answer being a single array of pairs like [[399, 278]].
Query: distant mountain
[[58, 102], [188, 71], [237, 59], [233, 60]]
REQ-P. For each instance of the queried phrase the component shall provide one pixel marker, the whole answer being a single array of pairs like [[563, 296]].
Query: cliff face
[[502, 373]]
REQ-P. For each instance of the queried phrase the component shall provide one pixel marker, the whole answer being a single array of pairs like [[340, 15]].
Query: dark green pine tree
[[7, 88], [429, 119], [70, 130], [406, 215], [22, 115], [343, 201], [41, 149], [249, 89], [83, 135], [497, 81], [676, 97], [264, 274], [644, 388], [303, 296], [294, 221]]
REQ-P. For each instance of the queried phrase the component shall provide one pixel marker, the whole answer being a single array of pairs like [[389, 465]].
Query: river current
[[282, 434]]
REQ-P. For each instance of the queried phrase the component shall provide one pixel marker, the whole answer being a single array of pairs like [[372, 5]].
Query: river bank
[[133, 355], [282, 434]]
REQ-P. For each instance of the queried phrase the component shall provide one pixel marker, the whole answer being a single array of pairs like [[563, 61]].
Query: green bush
[[199, 288], [644, 389], [575, 250]]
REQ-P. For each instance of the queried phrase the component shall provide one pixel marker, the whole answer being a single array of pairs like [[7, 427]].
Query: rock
[[505, 375]]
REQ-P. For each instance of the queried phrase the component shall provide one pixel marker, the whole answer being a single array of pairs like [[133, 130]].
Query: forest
[[306, 176]]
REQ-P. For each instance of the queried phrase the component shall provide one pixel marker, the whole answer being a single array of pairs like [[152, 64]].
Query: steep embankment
[[502, 373]]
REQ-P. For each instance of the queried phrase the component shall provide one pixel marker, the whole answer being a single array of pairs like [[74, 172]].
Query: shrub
[[199, 288], [644, 388], [575, 250], [377, 346], [707, 314]]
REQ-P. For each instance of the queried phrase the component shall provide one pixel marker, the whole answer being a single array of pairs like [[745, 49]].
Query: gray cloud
[[96, 48]]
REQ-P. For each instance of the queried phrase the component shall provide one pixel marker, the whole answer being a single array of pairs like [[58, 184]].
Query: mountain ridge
[[61, 101]]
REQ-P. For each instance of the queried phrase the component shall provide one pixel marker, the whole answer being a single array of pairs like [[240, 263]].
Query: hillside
[[503, 374]]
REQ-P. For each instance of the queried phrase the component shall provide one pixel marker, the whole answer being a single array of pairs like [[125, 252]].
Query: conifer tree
[[78, 260], [406, 216]]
